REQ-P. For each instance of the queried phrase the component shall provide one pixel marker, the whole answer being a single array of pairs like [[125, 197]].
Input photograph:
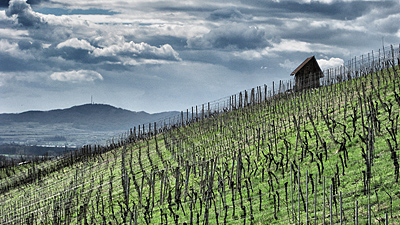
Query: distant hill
[[93, 117], [75, 126]]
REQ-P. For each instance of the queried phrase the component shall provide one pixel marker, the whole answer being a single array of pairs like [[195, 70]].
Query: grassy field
[[326, 154]]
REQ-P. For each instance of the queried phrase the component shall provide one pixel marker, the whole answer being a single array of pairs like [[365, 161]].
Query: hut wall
[[308, 77]]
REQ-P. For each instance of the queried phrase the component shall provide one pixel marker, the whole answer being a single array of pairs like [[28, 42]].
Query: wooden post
[[307, 197], [315, 199], [182, 118], [149, 129], [299, 199], [273, 88], [386, 219], [341, 215], [209, 109], [330, 207], [369, 214], [291, 186], [265, 92], [135, 222], [141, 191], [202, 111], [323, 213], [356, 214], [161, 188], [219, 188]]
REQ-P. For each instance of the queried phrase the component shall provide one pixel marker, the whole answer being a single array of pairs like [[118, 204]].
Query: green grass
[[206, 154]]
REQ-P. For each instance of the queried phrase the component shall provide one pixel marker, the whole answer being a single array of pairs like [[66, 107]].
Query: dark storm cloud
[[227, 14], [326, 33], [335, 10], [234, 36], [178, 43], [13, 64], [61, 11], [25, 45], [125, 54], [5, 3], [25, 15], [73, 54], [9, 64], [224, 59], [67, 40], [177, 7], [34, 2]]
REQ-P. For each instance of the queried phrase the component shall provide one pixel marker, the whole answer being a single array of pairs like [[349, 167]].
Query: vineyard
[[264, 156]]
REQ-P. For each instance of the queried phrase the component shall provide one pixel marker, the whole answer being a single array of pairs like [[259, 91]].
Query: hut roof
[[305, 63]]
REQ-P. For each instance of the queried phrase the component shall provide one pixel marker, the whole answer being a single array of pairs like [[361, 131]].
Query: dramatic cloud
[[135, 50], [5, 3], [76, 76], [26, 45], [338, 10], [122, 53], [233, 36], [25, 15], [12, 50], [70, 38], [167, 55], [227, 14]]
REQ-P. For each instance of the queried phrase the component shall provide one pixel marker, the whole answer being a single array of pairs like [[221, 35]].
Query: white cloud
[[3, 78], [338, 25], [330, 63], [12, 49], [6, 46], [389, 24], [76, 76], [7, 33], [288, 64], [76, 43], [248, 54], [287, 45], [138, 50]]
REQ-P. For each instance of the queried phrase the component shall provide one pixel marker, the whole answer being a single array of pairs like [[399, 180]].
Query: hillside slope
[[327, 154]]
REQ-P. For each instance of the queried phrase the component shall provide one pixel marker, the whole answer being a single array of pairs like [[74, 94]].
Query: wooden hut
[[307, 75]]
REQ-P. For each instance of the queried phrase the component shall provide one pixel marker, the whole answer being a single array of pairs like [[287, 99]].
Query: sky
[[164, 55]]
